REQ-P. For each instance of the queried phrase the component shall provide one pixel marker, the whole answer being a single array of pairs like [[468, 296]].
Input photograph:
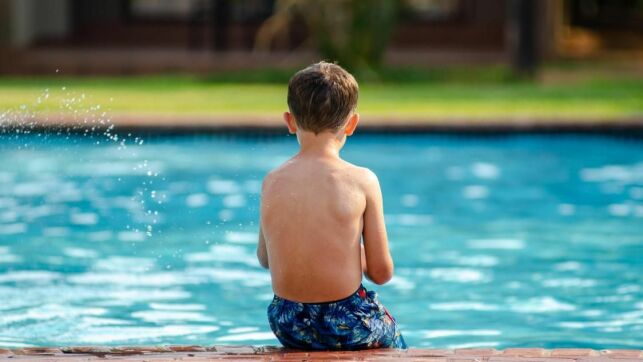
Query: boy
[[315, 209]]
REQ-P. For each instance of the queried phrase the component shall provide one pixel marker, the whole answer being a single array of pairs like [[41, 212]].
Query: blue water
[[498, 241]]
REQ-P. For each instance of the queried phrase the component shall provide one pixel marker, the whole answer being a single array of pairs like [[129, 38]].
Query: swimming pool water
[[498, 241]]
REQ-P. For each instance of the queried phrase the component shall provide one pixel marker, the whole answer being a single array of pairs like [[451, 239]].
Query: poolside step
[[269, 353]]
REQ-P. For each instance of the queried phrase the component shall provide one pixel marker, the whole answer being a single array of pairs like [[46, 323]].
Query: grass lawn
[[418, 96]]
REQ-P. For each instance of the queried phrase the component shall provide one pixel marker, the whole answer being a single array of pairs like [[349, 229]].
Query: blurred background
[[143, 36], [588, 53]]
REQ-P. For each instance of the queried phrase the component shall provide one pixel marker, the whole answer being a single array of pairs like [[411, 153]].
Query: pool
[[523, 240]]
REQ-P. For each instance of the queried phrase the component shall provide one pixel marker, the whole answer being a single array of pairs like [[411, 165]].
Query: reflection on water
[[498, 242]]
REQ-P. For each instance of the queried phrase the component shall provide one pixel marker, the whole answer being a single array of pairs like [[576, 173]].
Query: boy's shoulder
[[277, 172], [362, 174], [358, 174]]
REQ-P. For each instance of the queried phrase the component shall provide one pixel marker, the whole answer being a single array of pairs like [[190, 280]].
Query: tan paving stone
[[573, 352], [41, 358], [242, 358], [606, 359], [146, 357], [524, 352], [376, 356], [175, 356], [294, 355], [383, 352], [527, 359], [417, 352], [622, 353], [5, 351], [325, 356], [476, 352], [334, 358]]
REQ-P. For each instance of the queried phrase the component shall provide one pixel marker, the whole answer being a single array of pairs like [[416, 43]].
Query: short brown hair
[[322, 96]]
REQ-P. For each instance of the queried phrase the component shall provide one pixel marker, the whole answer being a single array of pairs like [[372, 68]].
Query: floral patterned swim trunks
[[359, 321]]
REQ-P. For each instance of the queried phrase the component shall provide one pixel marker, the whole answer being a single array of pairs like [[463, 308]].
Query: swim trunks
[[359, 321]]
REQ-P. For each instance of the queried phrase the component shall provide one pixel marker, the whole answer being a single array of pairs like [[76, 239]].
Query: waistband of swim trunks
[[356, 293]]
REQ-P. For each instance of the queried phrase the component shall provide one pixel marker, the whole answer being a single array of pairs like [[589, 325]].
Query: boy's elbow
[[263, 259], [380, 276]]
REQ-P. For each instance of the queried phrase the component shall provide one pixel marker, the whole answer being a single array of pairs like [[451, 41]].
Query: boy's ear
[[352, 124], [290, 122]]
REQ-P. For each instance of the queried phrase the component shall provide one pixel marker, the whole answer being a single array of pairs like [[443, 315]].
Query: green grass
[[483, 95]]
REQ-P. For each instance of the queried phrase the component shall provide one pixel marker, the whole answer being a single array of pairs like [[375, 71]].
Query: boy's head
[[321, 97]]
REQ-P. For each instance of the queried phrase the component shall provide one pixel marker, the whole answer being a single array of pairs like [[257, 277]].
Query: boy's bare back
[[312, 219]]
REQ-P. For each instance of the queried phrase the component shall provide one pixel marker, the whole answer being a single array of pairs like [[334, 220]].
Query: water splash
[[65, 113]]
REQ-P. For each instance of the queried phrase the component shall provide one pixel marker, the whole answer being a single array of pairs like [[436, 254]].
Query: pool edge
[[170, 125], [198, 353]]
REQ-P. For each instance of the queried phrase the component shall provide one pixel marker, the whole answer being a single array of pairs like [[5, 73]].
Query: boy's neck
[[324, 144]]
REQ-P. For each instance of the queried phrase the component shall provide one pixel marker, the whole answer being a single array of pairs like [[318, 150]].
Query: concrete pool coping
[[272, 124], [269, 353]]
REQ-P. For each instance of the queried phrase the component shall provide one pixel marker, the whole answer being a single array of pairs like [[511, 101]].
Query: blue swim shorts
[[359, 321]]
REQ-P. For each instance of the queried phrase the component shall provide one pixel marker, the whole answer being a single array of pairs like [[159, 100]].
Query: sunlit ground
[[477, 94]]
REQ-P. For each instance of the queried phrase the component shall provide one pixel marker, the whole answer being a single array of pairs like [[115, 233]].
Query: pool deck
[[251, 353], [272, 124]]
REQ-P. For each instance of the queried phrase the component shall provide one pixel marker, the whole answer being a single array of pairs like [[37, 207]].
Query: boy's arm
[[262, 252], [379, 263], [363, 257]]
